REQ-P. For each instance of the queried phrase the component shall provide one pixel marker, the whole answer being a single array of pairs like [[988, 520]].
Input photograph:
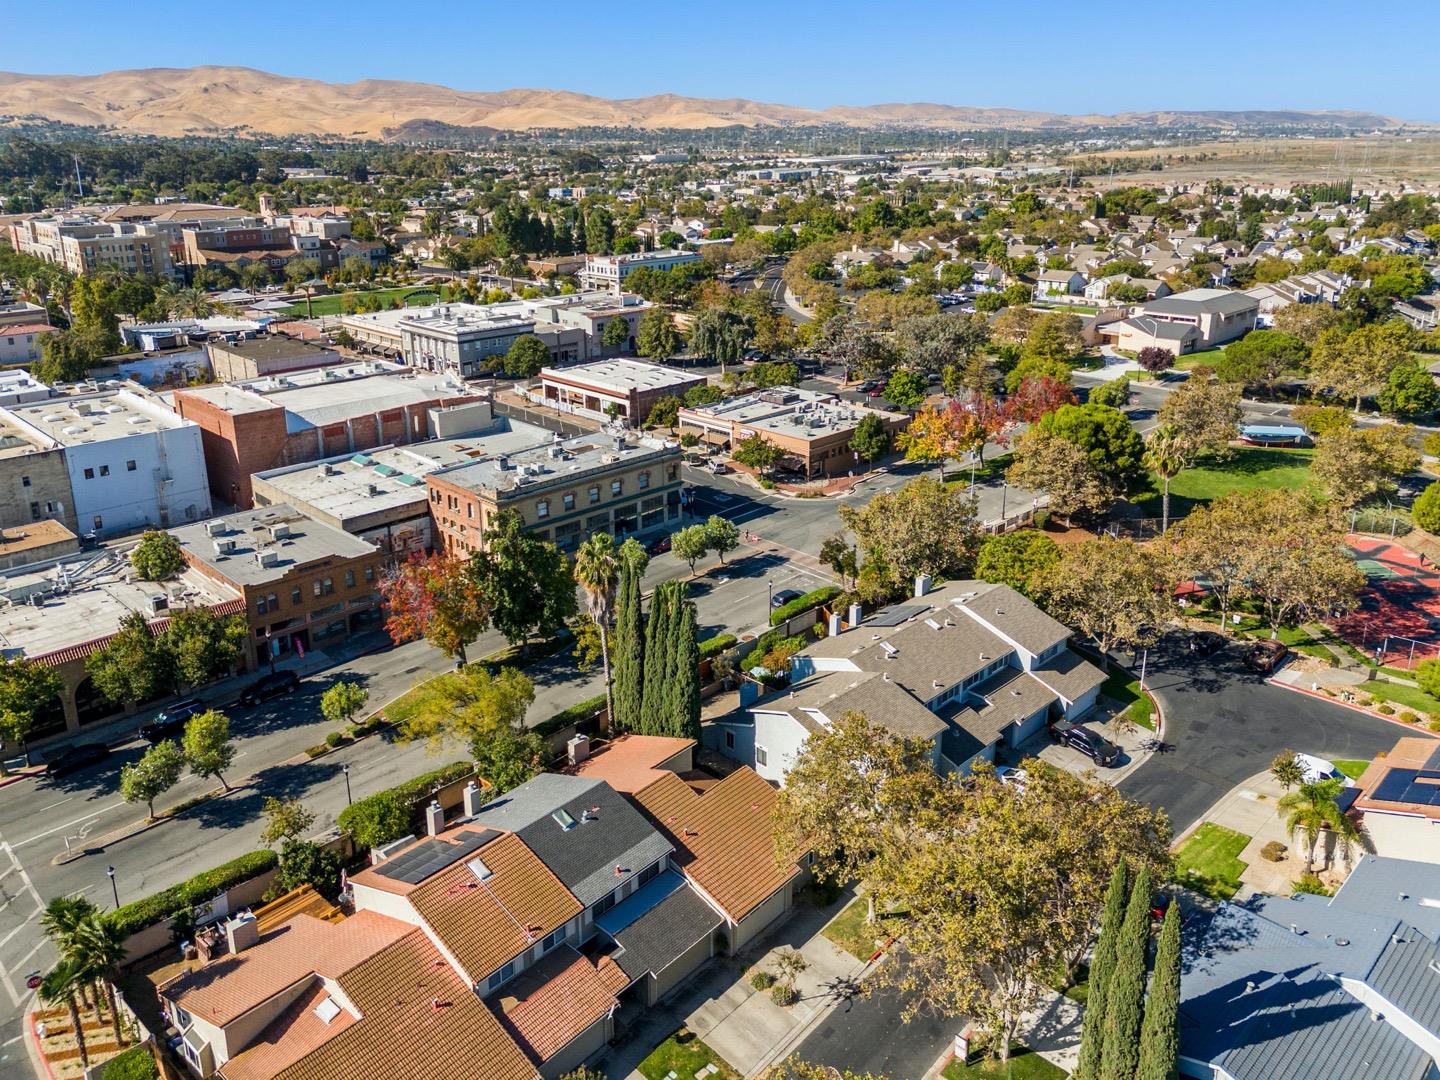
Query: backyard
[[1208, 862]]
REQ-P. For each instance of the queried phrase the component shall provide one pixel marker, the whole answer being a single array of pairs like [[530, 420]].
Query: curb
[[29, 772], [116, 836], [1415, 728]]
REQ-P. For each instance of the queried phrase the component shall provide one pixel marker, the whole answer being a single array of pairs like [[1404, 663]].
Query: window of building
[[89, 474], [34, 511], [261, 608], [104, 470], [349, 579], [568, 500], [542, 508], [296, 596], [502, 976], [617, 486], [594, 494], [129, 466], [553, 939], [604, 904], [369, 573], [24, 481], [761, 757], [97, 522], [644, 479], [329, 586], [470, 510], [650, 873]]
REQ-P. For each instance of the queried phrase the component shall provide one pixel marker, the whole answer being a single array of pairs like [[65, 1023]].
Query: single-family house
[[1399, 800], [1056, 284]]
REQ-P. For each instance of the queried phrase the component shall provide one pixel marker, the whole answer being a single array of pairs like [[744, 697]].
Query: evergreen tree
[[656, 667], [627, 646], [1124, 998], [686, 718], [1159, 1033], [1102, 966]]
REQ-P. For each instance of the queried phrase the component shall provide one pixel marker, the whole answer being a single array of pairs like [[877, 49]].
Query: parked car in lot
[[1205, 643], [1266, 656], [871, 386], [783, 597], [271, 686], [170, 724], [1010, 775], [1088, 741], [74, 758]]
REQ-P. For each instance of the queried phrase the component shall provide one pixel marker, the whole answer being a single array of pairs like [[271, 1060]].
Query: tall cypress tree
[[656, 664], [1102, 966], [1124, 999], [627, 650], [687, 656], [1159, 1033]]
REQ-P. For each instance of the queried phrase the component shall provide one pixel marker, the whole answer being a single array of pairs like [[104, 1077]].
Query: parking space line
[[73, 821]]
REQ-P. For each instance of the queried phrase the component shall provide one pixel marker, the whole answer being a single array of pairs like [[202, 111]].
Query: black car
[[1205, 643], [783, 597], [1088, 741], [74, 758], [171, 722], [271, 686]]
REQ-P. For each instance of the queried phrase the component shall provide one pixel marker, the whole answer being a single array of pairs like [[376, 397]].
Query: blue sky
[[1058, 56]]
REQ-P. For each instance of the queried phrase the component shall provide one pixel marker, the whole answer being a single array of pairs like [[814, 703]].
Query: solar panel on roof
[[1421, 787], [429, 857], [894, 616]]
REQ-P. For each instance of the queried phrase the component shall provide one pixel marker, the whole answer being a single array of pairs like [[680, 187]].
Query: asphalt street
[[868, 1035]]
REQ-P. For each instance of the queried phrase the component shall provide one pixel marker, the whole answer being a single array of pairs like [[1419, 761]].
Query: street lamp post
[[770, 584], [345, 770], [114, 889]]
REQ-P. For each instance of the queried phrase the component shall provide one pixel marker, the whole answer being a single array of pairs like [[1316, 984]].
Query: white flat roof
[[620, 376], [91, 418]]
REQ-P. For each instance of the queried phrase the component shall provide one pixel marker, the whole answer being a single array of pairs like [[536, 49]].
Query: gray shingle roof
[[1005, 611], [664, 933], [1197, 300], [584, 855], [1069, 676], [1395, 888]]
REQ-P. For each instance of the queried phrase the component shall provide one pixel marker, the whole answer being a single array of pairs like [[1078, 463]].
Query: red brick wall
[[235, 445]]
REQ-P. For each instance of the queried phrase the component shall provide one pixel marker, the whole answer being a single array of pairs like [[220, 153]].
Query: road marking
[[57, 828], [6, 939], [12, 1040], [53, 805]]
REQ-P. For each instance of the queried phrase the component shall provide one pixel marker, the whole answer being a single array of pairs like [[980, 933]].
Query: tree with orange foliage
[[1036, 397], [937, 434], [438, 599]]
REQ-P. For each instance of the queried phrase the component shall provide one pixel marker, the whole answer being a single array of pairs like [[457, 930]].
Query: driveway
[[1224, 724]]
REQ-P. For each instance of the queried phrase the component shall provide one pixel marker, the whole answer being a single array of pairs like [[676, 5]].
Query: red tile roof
[[723, 838], [632, 762], [296, 1032], [553, 1002]]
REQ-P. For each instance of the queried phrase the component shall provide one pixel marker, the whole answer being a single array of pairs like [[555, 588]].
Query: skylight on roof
[[327, 1010], [477, 867], [564, 819]]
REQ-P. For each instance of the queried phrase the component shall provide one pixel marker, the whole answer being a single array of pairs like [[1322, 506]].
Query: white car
[[1317, 768], [1008, 774]]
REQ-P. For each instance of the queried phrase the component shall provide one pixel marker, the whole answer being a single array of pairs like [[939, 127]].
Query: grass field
[[1208, 862], [1120, 686], [331, 305], [683, 1054], [1409, 697], [1248, 469], [850, 931], [1023, 1065], [1350, 767]]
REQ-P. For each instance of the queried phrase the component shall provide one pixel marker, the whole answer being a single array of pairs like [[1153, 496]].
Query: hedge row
[[716, 645], [387, 815], [200, 889], [581, 710], [801, 604]]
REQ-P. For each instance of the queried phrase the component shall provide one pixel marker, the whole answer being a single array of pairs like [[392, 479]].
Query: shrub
[[304, 863], [1310, 883], [199, 889], [385, 816], [1426, 509], [784, 995], [1433, 725], [801, 604], [762, 980], [334, 739], [583, 710], [716, 645], [1427, 674], [1274, 851], [1408, 717], [137, 1063], [1385, 709]]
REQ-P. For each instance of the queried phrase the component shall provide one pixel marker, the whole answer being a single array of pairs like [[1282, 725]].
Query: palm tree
[[61, 922], [1311, 810], [61, 984], [100, 950], [597, 569], [1166, 456]]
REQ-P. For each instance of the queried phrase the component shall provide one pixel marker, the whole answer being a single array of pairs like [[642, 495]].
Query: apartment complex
[[380, 495], [22, 313], [138, 239], [813, 429], [466, 339], [511, 940], [304, 584], [608, 272], [563, 492], [34, 479], [131, 463], [628, 388], [969, 666], [256, 425]]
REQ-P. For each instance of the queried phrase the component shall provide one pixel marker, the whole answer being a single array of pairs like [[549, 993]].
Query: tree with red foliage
[[438, 599], [1155, 359], [1036, 397], [937, 434], [992, 418]]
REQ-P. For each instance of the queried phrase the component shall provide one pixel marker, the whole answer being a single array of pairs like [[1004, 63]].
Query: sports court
[[1399, 610]]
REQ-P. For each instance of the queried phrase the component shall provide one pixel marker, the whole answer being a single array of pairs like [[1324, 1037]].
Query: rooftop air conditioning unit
[[267, 558], [158, 603], [215, 528], [279, 531], [224, 547]]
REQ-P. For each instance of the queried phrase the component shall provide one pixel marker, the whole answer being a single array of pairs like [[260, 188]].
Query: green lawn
[[1410, 697], [1248, 469], [1122, 687], [850, 931], [1208, 862], [331, 304], [1351, 767], [1205, 356], [683, 1054], [1023, 1065]]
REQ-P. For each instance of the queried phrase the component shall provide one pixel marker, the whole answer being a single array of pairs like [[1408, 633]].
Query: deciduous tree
[[203, 645], [1262, 358], [1115, 592], [342, 700], [1105, 434], [207, 747], [438, 598], [286, 820], [471, 704], [1205, 416], [921, 528], [526, 356], [158, 556], [941, 434], [26, 689], [656, 336], [134, 665], [526, 580], [758, 454], [1055, 466], [1355, 465], [871, 438], [1038, 395], [156, 772], [1015, 558]]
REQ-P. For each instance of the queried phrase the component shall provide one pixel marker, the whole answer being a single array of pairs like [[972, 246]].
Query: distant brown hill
[[210, 100]]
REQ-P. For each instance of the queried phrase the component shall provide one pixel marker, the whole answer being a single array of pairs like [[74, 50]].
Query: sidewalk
[[741, 1024]]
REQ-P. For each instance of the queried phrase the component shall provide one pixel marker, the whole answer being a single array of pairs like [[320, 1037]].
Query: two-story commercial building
[[970, 666], [563, 492], [628, 389], [608, 272]]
